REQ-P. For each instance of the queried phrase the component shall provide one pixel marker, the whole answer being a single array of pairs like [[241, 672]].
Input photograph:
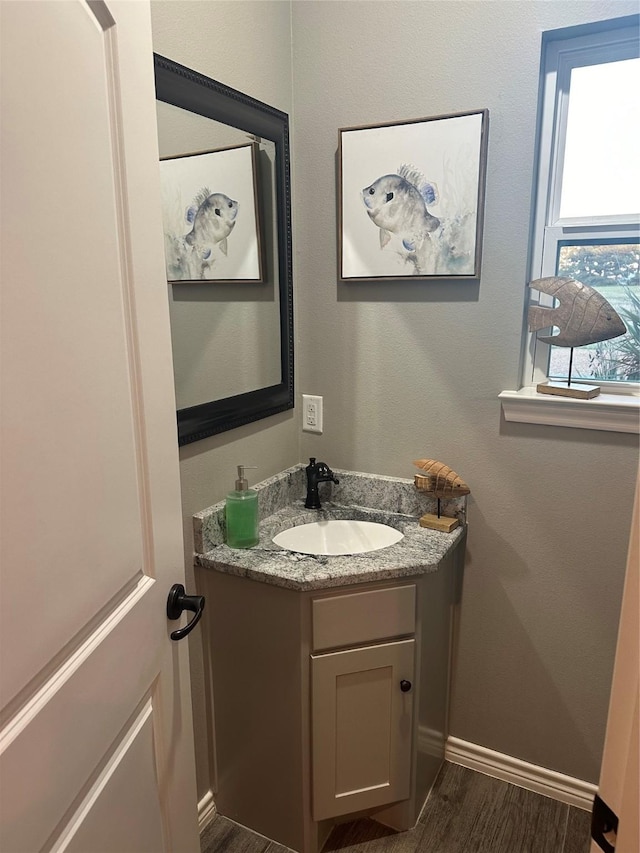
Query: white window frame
[[561, 52]]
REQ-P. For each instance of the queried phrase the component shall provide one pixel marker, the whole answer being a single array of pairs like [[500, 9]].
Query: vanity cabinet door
[[362, 711]]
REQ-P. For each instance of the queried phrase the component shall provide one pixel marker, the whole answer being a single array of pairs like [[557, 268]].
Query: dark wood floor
[[467, 812]]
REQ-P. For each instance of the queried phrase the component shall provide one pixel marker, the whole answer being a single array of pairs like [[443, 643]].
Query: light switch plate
[[311, 413]]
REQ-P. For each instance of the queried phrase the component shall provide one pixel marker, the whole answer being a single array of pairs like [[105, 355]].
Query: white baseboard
[[206, 810], [549, 783], [566, 789]]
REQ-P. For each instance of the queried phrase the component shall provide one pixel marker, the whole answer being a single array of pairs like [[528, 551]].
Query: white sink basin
[[338, 537]]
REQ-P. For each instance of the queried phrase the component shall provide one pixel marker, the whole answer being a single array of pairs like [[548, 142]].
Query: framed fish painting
[[412, 198], [211, 217]]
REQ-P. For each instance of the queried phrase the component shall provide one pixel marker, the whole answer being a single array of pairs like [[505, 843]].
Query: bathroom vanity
[[329, 675]]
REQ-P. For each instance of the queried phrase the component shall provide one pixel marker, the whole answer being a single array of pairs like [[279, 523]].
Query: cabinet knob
[[405, 685]]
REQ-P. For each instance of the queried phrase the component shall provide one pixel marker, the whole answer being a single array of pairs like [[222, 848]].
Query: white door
[[96, 742], [619, 787]]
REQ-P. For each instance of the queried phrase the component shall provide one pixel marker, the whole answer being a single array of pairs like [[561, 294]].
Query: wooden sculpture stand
[[444, 523], [441, 482], [562, 389]]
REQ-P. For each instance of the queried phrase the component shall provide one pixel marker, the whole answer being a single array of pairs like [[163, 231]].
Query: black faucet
[[317, 472]]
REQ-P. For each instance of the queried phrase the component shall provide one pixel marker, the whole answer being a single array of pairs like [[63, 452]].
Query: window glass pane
[[601, 172], [613, 270]]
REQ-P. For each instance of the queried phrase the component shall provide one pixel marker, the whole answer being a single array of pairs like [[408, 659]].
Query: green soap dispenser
[[242, 513]]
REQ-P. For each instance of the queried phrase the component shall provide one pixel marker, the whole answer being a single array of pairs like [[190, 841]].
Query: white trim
[[549, 783], [610, 412], [206, 811]]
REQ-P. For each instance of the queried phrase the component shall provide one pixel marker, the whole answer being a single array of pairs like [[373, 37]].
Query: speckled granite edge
[[387, 500]]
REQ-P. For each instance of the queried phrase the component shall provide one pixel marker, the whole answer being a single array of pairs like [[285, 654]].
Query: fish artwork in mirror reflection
[[213, 216], [211, 235]]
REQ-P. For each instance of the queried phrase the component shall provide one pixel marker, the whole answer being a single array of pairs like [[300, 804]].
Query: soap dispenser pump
[[242, 513]]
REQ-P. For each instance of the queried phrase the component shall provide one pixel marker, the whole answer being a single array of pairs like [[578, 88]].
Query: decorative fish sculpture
[[397, 204], [439, 480], [583, 316], [213, 217]]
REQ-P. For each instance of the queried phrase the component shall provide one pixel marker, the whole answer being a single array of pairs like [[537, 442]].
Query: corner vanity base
[[291, 675]]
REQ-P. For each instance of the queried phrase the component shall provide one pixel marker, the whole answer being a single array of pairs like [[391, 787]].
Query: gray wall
[[411, 370], [247, 46]]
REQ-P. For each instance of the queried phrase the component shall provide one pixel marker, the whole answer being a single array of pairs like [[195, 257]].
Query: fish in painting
[[213, 218], [397, 204], [439, 480], [583, 315]]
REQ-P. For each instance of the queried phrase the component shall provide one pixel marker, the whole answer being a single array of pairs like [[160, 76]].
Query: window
[[586, 222]]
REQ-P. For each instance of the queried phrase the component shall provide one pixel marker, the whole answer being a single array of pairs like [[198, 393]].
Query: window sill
[[611, 412]]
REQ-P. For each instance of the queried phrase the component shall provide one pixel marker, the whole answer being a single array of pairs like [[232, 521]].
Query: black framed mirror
[[188, 90]]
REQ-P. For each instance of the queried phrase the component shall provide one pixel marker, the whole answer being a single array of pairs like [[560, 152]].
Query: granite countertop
[[281, 506]]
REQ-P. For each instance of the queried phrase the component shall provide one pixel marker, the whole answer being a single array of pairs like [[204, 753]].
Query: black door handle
[[405, 685], [177, 602]]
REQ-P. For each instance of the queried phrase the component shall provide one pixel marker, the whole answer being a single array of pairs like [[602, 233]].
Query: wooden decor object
[[563, 389], [444, 523], [442, 482], [582, 317]]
